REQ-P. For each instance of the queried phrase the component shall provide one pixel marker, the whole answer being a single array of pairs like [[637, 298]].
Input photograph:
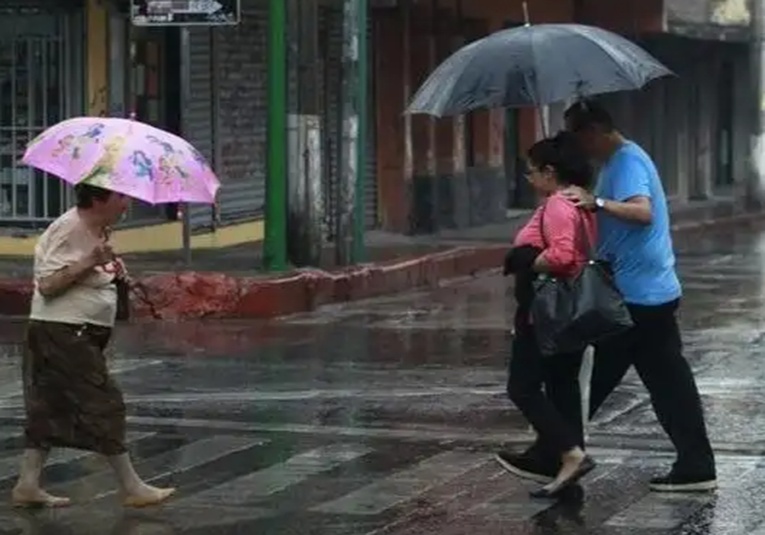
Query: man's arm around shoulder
[[631, 194], [635, 209]]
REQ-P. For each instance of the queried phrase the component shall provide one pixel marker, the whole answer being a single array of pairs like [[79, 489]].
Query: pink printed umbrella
[[125, 156]]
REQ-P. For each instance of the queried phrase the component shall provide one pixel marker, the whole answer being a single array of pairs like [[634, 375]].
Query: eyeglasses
[[529, 174]]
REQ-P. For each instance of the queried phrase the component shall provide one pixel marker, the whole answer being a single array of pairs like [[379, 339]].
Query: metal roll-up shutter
[[331, 43], [41, 83], [198, 118], [40, 6], [370, 193], [241, 57]]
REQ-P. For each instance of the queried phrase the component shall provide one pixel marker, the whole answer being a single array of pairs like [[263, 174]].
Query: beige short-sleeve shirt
[[92, 300]]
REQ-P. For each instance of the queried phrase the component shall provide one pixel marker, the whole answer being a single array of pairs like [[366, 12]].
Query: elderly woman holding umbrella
[[70, 398]]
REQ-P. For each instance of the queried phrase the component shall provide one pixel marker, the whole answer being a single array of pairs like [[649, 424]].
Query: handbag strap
[[589, 246], [582, 232]]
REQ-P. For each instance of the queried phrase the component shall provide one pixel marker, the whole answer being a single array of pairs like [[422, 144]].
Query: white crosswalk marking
[[9, 466], [509, 512], [293, 395], [420, 432], [195, 517], [714, 277], [237, 500], [262, 483], [452, 483], [8, 434], [730, 474], [185, 458], [11, 373], [402, 486], [699, 286], [659, 511]]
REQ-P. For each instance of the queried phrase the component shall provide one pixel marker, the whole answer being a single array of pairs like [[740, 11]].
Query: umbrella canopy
[[125, 156], [535, 65]]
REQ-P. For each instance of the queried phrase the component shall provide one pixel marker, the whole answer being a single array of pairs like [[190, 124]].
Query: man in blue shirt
[[634, 236]]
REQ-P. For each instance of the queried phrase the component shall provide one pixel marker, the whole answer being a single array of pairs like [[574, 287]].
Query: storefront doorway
[[154, 95]]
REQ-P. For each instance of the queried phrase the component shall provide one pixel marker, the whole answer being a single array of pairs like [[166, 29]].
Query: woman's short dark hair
[[87, 194], [564, 154]]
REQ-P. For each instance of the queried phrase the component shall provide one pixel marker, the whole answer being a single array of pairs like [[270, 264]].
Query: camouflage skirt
[[71, 400]]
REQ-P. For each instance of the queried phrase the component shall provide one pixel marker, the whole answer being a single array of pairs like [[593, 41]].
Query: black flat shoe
[[585, 467], [528, 466]]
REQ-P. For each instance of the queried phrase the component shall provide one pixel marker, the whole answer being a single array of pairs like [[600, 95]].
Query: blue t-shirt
[[641, 255]]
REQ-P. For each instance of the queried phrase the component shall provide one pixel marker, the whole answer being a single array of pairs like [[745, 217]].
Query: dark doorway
[[154, 91], [725, 110]]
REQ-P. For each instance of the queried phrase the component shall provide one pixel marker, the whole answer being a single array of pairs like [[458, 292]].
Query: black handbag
[[123, 290], [569, 314]]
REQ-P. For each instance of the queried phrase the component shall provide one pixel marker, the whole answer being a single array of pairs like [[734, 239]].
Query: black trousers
[[556, 415], [655, 348]]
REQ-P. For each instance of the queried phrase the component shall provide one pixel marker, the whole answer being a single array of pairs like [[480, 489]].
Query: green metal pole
[[358, 252], [275, 245]]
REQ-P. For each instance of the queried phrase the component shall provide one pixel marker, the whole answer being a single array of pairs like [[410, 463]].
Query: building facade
[[698, 125], [440, 174], [436, 174], [121, 69], [223, 113], [423, 175]]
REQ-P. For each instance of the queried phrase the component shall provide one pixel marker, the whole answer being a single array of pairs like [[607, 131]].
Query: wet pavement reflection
[[380, 417]]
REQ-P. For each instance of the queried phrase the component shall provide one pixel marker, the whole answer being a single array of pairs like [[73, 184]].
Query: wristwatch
[[599, 203]]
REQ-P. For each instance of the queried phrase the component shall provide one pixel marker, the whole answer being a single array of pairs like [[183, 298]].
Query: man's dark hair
[[588, 114], [564, 154], [87, 194]]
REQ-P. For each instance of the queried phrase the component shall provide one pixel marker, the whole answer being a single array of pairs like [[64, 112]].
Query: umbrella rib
[[467, 58], [537, 89], [427, 92]]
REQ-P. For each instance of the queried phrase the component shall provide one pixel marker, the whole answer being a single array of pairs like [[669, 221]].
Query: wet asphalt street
[[381, 418]]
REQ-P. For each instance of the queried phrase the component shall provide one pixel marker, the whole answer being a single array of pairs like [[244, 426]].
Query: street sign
[[185, 12]]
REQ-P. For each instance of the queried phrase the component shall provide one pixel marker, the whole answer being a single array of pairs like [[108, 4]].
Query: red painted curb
[[15, 296], [195, 295]]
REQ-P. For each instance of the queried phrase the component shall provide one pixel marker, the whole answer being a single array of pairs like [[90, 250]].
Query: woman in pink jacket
[[554, 242]]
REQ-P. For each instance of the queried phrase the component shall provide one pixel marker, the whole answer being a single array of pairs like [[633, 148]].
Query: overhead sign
[[185, 12]]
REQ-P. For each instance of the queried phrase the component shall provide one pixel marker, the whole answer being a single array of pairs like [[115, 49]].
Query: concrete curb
[[199, 295]]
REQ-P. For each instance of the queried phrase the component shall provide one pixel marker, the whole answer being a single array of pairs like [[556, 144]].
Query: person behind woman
[[555, 241], [71, 400]]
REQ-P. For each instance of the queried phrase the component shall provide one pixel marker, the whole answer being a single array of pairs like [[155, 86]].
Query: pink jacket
[[563, 245]]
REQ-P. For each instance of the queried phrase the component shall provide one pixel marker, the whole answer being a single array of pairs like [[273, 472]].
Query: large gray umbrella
[[535, 65]]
